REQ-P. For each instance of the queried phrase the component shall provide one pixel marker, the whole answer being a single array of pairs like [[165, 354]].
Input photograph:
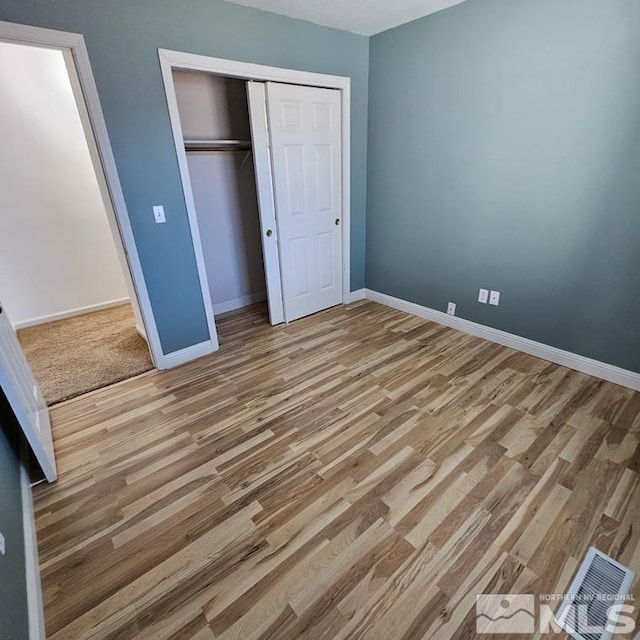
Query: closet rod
[[217, 145], [209, 149]]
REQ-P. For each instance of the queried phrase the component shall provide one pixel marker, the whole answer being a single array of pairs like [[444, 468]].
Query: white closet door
[[264, 186], [305, 135], [25, 398]]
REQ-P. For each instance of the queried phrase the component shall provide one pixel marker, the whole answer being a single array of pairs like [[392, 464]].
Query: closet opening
[[264, 159], [216, 130]]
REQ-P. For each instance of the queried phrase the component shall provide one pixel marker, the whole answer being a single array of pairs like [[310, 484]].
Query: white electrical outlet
[[2, 550], [158, 214], [494, 298], [451, 308], [483, 296]]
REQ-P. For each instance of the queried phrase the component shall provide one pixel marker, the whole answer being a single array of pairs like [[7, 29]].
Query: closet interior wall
[[214, 108]]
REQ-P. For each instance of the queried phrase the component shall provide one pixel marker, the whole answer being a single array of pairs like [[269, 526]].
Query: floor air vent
[[600, 583]]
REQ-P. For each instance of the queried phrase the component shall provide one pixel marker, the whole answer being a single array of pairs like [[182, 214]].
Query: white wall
[[224, 188], [57, 254]]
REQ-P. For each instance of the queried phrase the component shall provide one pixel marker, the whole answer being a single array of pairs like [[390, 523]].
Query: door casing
[[170, 60]]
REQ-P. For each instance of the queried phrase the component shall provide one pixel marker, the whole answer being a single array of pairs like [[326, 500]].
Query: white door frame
[[85, 92], [170, 60]]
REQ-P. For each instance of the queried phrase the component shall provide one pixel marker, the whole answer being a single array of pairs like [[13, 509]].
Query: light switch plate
[[483, 296], [158, 214], [494, 298], [2, 548]]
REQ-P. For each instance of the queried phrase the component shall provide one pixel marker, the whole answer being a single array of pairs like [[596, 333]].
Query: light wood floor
[[358, 474]]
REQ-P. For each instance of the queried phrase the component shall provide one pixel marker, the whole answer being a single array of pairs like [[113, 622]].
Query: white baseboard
[[354, 296], [594, 368], [35, 608], [182, 356], [238, 303], [23, 324]]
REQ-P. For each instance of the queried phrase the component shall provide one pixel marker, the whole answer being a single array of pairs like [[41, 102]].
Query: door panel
[[325, 174], [294, 180], [262, 162], [300, 271], [305, 135], [25, 398], [326, 244]]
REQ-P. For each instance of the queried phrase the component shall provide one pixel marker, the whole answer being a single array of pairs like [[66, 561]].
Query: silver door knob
[[269, 233], [337, 222]]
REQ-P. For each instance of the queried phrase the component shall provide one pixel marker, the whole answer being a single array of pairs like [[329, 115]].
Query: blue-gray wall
[[14, 621], [123, 37], [504, 149], [504, 153]]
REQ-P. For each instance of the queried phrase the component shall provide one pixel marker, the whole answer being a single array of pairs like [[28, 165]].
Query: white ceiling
[[365, 17]]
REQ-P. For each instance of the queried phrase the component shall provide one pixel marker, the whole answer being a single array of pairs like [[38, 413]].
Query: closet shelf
[[217, 145]]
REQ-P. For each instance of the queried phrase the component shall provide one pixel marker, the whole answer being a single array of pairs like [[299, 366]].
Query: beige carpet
[[73, 356]]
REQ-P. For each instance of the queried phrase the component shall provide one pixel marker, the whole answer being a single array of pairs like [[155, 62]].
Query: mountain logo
[[501, 613]]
